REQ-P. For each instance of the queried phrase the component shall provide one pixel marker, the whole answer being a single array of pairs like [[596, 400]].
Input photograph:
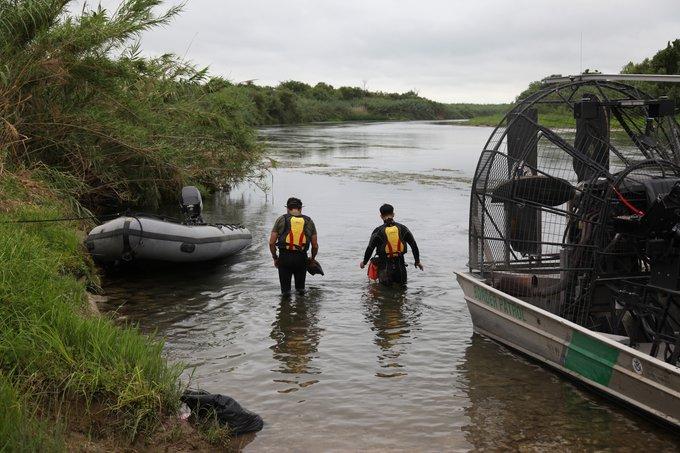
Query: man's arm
[[372, 244], [315, 246], [411, 241], [313, 238], [278, 228], [273, 237]]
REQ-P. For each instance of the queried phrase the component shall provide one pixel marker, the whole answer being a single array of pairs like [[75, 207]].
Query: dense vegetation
[[297, 102], [112, 126]]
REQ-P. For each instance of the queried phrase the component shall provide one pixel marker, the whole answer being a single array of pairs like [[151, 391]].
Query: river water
[[349, 365]]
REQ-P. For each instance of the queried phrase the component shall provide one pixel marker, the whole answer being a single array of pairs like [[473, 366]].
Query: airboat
[[574, 237]]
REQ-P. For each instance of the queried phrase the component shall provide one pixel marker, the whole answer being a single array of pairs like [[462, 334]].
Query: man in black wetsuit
[[292, 236], [390, 240]]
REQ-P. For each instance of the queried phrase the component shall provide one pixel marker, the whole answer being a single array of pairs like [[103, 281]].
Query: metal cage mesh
[[543, 199]]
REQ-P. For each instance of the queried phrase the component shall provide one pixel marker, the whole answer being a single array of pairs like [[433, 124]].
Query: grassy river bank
[[87, 123], [66, 373]]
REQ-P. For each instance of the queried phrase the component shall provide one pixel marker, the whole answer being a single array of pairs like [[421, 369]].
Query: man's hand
[[276, 262], [362, 264], [419, 265]]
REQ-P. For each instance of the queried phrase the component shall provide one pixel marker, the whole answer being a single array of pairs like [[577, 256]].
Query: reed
[[77, 97], [58, 361], [20, 430]]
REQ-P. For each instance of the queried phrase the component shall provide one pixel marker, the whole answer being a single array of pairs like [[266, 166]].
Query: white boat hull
[[145, 238], [611, 367]]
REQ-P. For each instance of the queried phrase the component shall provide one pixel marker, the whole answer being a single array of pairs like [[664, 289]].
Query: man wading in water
[[292, 235], [390, 240]]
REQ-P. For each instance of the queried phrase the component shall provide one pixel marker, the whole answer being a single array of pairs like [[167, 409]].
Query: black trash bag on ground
[[226, 409]]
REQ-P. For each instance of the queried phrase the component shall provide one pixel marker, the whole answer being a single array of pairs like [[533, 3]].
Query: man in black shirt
[[292, 236], [390, 240]]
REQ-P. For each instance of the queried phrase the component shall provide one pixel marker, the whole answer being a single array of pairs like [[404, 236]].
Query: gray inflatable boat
[[146, 237]]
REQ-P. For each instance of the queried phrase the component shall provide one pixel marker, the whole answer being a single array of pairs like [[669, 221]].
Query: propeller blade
[[539, 189]]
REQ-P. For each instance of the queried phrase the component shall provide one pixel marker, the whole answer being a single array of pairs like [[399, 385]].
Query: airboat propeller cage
[[191, 202], [557, 215]]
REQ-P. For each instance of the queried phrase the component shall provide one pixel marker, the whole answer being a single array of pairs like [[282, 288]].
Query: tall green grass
[[77, 96], [54, 356], [20, 430]]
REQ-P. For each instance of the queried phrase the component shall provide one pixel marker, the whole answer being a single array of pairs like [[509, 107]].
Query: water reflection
[[393, 316], [165, 293], [515, 405], [296, 333]]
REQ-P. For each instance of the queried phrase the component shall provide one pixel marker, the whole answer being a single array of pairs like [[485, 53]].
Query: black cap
[[386, 209], [294, 203]]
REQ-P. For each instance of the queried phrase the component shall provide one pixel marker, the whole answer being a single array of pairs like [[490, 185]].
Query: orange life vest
[[293, 237], [394, 247]]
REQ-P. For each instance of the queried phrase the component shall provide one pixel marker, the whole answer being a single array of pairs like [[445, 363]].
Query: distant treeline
[[665, 61], [293, 102]]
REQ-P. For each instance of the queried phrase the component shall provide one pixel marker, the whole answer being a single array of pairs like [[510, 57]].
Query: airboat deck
[[593, 358], [574, 251]]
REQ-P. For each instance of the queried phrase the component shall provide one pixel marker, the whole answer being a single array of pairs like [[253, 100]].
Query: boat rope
[[118, 214], [60, 219]]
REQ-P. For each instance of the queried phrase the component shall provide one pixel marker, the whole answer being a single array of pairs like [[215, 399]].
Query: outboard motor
[[191, 205]]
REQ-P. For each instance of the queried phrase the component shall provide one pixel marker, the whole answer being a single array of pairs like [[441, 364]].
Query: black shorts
[[392, 271]]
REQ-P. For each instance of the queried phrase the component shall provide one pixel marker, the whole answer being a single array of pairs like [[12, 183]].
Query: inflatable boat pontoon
[[147, 237]]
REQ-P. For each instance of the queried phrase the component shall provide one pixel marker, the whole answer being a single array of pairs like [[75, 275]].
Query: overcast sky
[[450, 51]]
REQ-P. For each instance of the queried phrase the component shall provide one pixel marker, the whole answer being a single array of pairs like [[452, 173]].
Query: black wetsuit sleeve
[[372, 244], [411, 241]]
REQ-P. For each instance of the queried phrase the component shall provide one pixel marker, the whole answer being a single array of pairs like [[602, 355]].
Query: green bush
[[76, 95]]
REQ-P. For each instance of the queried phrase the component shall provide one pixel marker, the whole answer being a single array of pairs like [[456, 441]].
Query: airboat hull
[[624, 373]]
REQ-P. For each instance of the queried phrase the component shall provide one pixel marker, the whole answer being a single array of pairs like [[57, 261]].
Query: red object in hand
[[372, 270]]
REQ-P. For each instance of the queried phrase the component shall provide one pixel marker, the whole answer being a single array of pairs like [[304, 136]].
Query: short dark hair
[[294, 203], [386, 209]]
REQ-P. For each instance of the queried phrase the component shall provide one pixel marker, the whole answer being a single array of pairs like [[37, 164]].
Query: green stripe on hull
[[590, 358]]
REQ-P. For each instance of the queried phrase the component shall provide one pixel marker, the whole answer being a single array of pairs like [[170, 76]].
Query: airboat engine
[[191, 205]]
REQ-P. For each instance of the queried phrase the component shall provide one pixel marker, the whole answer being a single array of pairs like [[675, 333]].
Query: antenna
[[580, 71]]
